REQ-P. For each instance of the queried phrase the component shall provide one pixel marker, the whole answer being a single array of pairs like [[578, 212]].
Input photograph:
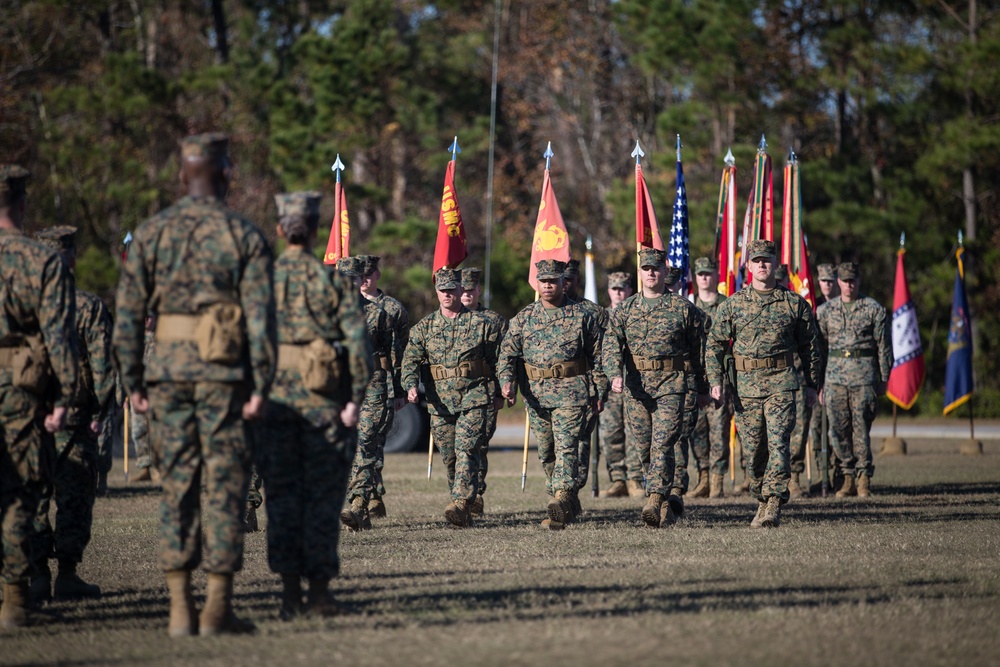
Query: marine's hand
[[810, 396], [95, 427], [254, 408], [349, 415], [717, 394], [617, 384], [56, 420], [413, 395], [508, 391], [139, 402]]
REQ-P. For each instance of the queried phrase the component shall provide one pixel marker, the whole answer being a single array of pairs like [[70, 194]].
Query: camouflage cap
[[619, 280], [371, 263], [446, 279], [13, 176], [826, 272], [572, 269], [781, 273], [470, 277], [672, 276], [705, 265], [60, 237], [351, 266], [761, 248], [208, 144], [550, 269], [652, 257], [848, 271], [298, 203]]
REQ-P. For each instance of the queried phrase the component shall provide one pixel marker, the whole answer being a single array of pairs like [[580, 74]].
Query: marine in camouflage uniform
[[38, 308], [614, 442], [376, 410], [306, 445], [710, 440], [827, 279], [207, 273], [657, 337], [858, 349], [138, 427], [548, 350], [399, 319], [471, 291], [803, 415], [456, 350], [598, 392], [683, 448], [74, 485], [767, 325]]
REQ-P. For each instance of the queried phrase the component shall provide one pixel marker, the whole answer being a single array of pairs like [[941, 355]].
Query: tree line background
[[891, 105]]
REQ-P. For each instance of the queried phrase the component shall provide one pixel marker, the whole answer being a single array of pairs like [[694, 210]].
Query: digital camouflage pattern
[[543, 337], [138, 422], [762, 324], [37, 297], [194, 254], [800, 432], [599, 391], [661, 328], [612, 431], [491, 410], [304, 452], [440, 340], [851, 411], [710, 436]]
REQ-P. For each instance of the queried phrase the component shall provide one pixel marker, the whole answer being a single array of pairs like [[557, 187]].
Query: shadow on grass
[[137, 491]]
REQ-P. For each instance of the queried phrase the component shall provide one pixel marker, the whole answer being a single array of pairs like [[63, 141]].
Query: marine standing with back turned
[[38, 380], [207, 272]]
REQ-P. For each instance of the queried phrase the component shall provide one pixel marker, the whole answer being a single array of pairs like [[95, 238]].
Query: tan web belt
[[383, 362], [469, 370], [665, 364], [290, 356], [850, 354], [751, 364], [563, 369], [174, 327], [7, 356]]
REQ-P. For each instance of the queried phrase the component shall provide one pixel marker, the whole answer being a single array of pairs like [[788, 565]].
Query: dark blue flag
[[958, 373], [677, 252]]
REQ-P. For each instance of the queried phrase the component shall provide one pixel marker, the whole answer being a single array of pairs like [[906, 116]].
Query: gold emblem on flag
[[549, 239]]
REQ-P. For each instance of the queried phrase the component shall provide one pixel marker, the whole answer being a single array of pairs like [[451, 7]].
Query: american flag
[[678, 252]]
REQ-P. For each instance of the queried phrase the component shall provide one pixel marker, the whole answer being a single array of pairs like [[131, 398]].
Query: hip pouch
[[220, 334], [320, 367], [30, 366]]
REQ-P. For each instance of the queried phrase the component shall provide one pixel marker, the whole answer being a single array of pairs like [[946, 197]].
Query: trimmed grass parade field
[[911, 576]]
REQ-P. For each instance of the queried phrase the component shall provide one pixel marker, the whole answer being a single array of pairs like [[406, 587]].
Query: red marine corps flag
[[450, 249], [550, 240], [647, 232], [340, 229], [907, 375]]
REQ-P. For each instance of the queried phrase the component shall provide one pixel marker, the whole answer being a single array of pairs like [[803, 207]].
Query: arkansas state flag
[[907, 375], [550, 240], [647, 232], [340, 229], [450, 248]]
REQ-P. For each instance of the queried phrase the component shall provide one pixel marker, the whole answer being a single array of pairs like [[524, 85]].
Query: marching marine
[[614, 442]]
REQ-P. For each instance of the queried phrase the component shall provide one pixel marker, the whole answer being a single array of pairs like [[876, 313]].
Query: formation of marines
[[245, 370]]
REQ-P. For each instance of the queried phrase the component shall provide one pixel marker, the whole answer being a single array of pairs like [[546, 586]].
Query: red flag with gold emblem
[[550, 240], [450, 249], [647, 232], [339, 244]]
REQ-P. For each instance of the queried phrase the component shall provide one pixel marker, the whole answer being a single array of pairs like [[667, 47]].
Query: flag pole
[[487, 291], [638, 154], [125, 430], [430, 455]]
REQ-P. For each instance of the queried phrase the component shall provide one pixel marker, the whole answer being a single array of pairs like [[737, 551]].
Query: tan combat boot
[[477, 506], [291, 596], [355, 516], [761, 508], [560, 509], [182, 611], [457, 514], [618, 489], [743, 487], [848, 488], [864, 486], [218, 617], [667, 516], [636, 489], [319, 603], [651, 512], [701, 488], [772, 513], [794, 488], [716, 485], [376, 508], [13, 613]]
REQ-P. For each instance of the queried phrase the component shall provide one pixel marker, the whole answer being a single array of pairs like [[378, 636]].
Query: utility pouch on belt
[[319, 364], [30, 365], [219, 334], [729, 367]]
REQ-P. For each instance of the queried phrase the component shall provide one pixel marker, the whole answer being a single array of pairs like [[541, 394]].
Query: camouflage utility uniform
[[710, 441], [612, 421]]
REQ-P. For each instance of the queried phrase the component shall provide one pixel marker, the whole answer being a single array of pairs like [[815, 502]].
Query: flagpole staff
[[978, 447], [337, 167], [125, 429], [430, 455], [638, 154]]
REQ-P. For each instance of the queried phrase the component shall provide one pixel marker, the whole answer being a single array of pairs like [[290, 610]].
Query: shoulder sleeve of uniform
[[257, 299], [57, 321]]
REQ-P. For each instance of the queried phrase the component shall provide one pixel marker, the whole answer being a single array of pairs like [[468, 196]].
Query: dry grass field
[[909, 577]]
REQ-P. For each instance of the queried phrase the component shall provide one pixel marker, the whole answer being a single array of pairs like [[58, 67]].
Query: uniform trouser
[[656, 426], [484, 450], [460, 437], [305, 460], [138, 431], [800, 434], [111, 427], [613, 436], [74, 488], [683, 446], [558, 432], [373, 426], [851, 411], [710, 441], [765, 425], [27, 454], [198, 431], [254, 497], [583, 450]]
